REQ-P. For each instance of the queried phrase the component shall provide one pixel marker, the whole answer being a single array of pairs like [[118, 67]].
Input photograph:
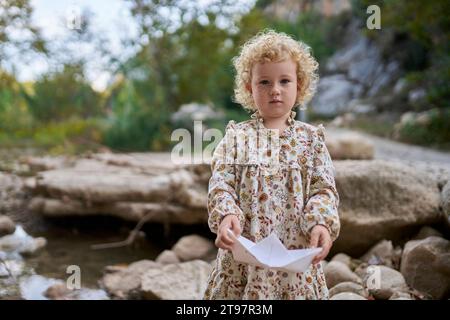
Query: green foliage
[[139, 118], [321, 34], [433, 133], [63, 94], [71, 136], [13, 110]]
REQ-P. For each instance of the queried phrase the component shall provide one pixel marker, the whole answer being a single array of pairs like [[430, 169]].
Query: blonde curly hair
[[271, 46]]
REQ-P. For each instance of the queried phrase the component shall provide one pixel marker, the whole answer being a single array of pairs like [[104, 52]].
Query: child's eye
[[284, 81], [264, 82]]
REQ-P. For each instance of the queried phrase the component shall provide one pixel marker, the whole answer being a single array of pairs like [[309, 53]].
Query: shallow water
[[72, 246]]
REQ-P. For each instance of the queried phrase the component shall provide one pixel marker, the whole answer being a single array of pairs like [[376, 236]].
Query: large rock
[[132, 211], [382, 281], [360, 59], [349, 146], [445, 199], [185, 281], [89, 186], [194, 247], [337, 272], [129, 186], [426, 266], [125, 283], [382, 200], [334, 94]]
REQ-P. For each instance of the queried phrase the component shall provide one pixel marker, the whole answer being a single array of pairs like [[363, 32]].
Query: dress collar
[[260, 124]]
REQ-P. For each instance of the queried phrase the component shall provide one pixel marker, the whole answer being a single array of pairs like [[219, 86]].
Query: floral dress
[[287, 190]]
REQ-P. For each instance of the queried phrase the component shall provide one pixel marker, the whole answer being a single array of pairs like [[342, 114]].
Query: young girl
[[292, 194]]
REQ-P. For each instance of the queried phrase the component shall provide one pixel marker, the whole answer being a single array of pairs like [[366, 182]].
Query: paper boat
[[271, 253]]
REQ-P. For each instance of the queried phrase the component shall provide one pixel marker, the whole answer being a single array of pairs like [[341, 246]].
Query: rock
[[188, 113], [110, 187], [131, 211], [21, 242], [343, 121], [12, 194], [347, 296], [59, 291], [192, 197], [349, 287], [333, 95], [383, 281], [337, 272], [400, 295], [360, 59], [344, 258], [349, 146], [126, 284], [426, 232], [185, 281], [34, 247], [383, 253], [11, 267], [194, 247], [426, 266], [7, 226], [417, 94], [445, 199], [130, 186], [359, 107], [382, 200], [37, 164], [167, 257]]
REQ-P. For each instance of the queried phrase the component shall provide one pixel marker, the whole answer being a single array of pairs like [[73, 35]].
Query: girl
[[289, 191]]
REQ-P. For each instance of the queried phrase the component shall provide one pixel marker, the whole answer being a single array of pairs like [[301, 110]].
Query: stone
[[337, 272], [347, 296], [382, 200], [186, 281], [167, 257], [7, 226], [126, 283], [349, 287], [426, 266], [194, 247]]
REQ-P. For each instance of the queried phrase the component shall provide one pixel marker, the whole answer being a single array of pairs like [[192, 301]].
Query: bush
[[434, 131]]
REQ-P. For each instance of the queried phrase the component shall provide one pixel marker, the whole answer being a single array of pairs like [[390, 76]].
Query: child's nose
[[275, 89]]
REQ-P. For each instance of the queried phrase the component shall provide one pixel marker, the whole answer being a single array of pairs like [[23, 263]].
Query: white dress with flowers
[[286, 190]]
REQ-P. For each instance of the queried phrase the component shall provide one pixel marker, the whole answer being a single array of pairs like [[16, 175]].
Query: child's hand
[[320, 237], [224, 240]]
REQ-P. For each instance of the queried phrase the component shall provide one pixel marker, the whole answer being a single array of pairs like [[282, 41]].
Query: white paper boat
[[271, 253]]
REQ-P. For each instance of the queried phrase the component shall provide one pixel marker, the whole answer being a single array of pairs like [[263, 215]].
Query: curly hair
[[271, 46]]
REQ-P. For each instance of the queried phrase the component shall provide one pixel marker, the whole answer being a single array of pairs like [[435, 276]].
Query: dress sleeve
[[322, 204], [222, 197]]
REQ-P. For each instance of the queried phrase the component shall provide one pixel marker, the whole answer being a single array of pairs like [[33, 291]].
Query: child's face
[[274, 87]]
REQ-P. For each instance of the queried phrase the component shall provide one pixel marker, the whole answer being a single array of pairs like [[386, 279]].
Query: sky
[[109, 17]]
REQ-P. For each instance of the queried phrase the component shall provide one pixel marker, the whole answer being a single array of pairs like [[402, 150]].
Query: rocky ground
[[395, 206]]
